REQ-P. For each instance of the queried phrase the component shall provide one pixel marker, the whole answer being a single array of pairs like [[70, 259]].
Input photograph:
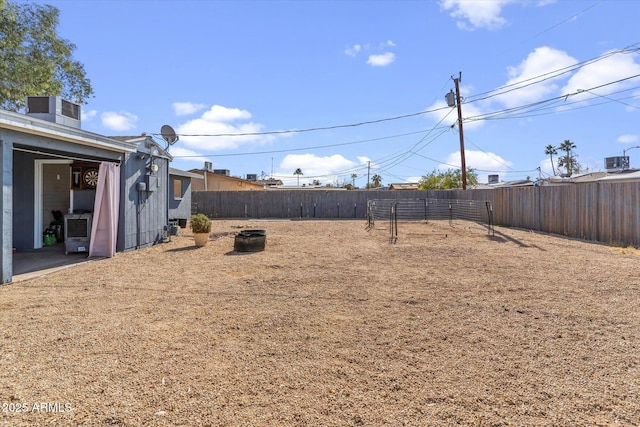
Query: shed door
[[52, 178]]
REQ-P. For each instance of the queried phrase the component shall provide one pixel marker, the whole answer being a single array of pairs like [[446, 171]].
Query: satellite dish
[[168, 134]]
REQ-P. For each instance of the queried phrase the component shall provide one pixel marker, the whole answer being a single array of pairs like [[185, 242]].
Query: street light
[[624, 154]]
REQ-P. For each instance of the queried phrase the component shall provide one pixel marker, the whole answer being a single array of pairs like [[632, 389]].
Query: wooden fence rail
[[603, 212]]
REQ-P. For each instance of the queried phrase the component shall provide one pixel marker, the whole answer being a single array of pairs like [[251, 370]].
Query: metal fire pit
[[250, 241]]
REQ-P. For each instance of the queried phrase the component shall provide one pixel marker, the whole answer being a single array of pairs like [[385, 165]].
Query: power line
[[280, 132], [473, 98], [575, 15], [315, 147], [546, 76], [487, 116]]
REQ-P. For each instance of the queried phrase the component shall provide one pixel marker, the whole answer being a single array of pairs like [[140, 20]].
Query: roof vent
[[54, 109]]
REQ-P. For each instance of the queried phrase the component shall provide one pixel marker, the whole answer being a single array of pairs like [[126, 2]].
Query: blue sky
[[372, 75]]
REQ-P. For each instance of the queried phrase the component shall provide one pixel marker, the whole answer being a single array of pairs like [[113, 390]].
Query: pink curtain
[[104, 228]]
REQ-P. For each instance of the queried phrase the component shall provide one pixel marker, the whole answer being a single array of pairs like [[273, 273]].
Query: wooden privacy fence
[[601, 211]]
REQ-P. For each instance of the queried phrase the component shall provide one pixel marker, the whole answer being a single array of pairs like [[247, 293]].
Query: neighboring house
[[220, 180], [269, 182], [305, 187], [404, 186], [180, 187], [49, 164], [629, 175], [504, 184], [573, 179]]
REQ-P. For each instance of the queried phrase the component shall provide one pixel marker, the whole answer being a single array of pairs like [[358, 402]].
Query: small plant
[[200, 223]]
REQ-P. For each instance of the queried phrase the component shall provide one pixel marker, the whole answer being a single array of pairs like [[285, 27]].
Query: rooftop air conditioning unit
[[54, 109], [252, 177], [494, 179], [616, 163]]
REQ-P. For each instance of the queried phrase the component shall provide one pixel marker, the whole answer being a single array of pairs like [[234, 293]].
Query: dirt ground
[[330, 326]]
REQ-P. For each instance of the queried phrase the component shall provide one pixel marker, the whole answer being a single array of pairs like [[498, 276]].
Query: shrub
[[200, 223]]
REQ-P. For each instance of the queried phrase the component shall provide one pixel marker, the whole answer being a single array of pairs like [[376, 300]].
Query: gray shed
[[50, 165]]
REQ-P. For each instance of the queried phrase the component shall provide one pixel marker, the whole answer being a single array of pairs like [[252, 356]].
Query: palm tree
[[376, 180], [550, 150], [353, 179], [298, 172], [568, 160]]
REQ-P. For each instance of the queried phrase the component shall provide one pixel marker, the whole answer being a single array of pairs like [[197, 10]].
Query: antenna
[[169, 135]]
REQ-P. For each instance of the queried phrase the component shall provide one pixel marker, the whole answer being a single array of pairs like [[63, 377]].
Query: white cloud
[[481, 160], [186, 154], [363, 160], [196, 134], [539, 77], [88, 115], [628, 139], [532, 72], [186, 108], [388, 43], [381, 60], [120, 121], [472, 14], [353, 50], [218, 113], [476, 160], [615, 67]]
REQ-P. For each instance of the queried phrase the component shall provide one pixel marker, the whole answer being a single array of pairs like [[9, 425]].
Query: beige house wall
[[216, 182]]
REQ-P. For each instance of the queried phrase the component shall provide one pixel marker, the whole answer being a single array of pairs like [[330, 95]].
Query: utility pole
[[452, 103], [368, 173], [462, 156]]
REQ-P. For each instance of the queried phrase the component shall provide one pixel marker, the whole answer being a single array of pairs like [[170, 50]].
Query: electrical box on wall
[[152, 182]]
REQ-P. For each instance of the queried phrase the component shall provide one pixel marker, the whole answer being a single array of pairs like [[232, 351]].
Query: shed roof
[[180, 172], [148, 142], [31, 125]]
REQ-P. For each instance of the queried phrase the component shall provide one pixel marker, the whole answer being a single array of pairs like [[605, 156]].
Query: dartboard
[[90, 177]]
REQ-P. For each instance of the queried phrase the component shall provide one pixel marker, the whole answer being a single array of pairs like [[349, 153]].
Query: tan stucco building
[[220, 180]]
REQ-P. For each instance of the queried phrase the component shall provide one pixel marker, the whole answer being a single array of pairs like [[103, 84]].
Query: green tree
[[298, 172], [550, 150], [569, 160], [376, 179], [35, 60], [447, 180]]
